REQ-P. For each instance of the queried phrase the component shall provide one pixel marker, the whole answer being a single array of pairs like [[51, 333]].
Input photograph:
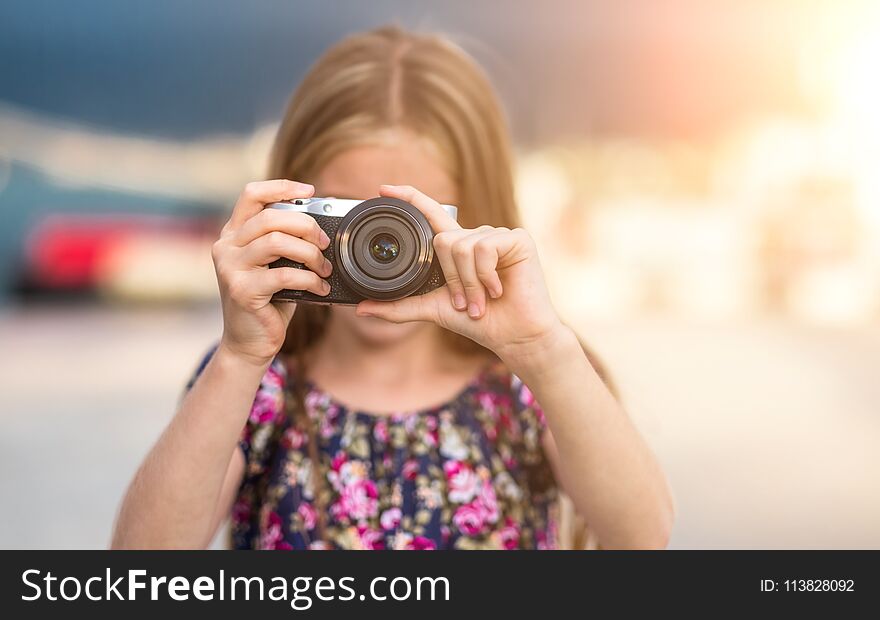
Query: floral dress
[[469, 474]]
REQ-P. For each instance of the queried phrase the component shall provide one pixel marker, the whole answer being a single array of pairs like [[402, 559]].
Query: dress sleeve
[[532, 424], [267, 414], [198, 370], [266, 420], [526, 407]]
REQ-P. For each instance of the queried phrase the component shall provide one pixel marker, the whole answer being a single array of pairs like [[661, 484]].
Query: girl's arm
[[600, 459], [496, 296], [189, 478]]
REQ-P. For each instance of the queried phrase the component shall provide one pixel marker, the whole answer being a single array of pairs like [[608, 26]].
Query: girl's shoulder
[[275, 377], [268, 405], [498, 385], [498, 377]]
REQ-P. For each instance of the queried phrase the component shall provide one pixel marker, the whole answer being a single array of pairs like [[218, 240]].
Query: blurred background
[[712, 228]]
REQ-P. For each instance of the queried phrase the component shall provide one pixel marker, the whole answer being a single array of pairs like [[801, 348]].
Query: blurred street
[[701, 180], [768, 431]]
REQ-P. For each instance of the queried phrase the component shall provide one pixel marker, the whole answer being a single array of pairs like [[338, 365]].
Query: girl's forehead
[[357, 172]]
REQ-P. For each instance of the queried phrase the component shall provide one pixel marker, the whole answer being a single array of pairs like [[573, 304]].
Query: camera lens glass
[[384, 248]]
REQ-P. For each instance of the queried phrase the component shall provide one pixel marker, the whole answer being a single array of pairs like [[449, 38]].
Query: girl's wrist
[[230, 358], [542, 355]]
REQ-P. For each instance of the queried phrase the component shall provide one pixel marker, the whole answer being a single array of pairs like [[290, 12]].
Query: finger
[[274, 245], [486, 255], [267, 282], [291, 222], [418, 308], [258, 194], [443, 249], [439, 219], [465, 264]]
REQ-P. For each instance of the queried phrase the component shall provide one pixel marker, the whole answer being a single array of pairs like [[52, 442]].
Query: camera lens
[[384, 248]]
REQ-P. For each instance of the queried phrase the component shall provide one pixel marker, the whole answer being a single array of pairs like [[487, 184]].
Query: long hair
[[393, 79], [388, 79]]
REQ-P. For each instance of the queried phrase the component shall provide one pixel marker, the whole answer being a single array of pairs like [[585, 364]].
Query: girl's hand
[[253, 326], [495, 292]]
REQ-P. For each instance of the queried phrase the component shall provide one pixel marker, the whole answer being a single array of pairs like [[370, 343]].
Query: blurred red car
[[141, 256]]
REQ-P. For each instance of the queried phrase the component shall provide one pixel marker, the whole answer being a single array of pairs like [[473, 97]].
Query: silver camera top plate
[[334, 207]]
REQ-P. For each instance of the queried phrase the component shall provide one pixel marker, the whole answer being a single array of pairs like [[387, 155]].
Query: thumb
[[419, 308]]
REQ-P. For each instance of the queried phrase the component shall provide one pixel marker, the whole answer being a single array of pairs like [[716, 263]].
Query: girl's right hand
[[253, 326]]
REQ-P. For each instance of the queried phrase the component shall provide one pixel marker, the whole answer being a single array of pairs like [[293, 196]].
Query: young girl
[[411, 424]]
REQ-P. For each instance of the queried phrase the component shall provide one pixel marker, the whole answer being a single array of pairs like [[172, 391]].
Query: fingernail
[[474, 311], [328, 267], [326, 286], [458, 301], [494, 294], [325, 240]]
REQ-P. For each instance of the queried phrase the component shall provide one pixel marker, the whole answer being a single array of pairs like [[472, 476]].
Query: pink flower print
[[410, 469], [509, 534], [462, 482], [488, 502], [491, 432], [552, 532], [510, 462], [308, 514], [488, 403], [472, 518], [541, 540], [272, 537], [328, 422], [344, 473], [390, 519], [420, 543], [241, 511], [539, 415], [370, 538], [338, 461], [431, 438], [526, 397], [264, 408], [335, 475], [274, 378], [357, 501], [409, 423], [314, 401], [469, 519], [380, 431], [293, 439], [511, 426]]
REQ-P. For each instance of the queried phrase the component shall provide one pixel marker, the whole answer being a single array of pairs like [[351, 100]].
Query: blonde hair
[[389, 79], [392, 79]]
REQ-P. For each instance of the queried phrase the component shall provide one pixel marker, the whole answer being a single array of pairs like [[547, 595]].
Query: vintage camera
[[381, 248]]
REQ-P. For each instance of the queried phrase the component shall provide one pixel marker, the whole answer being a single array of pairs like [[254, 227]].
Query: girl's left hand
[[495, 292]]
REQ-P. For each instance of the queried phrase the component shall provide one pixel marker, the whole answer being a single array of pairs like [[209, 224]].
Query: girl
[[411, 424]]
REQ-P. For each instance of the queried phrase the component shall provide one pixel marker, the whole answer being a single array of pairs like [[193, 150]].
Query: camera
[[380, 248]]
